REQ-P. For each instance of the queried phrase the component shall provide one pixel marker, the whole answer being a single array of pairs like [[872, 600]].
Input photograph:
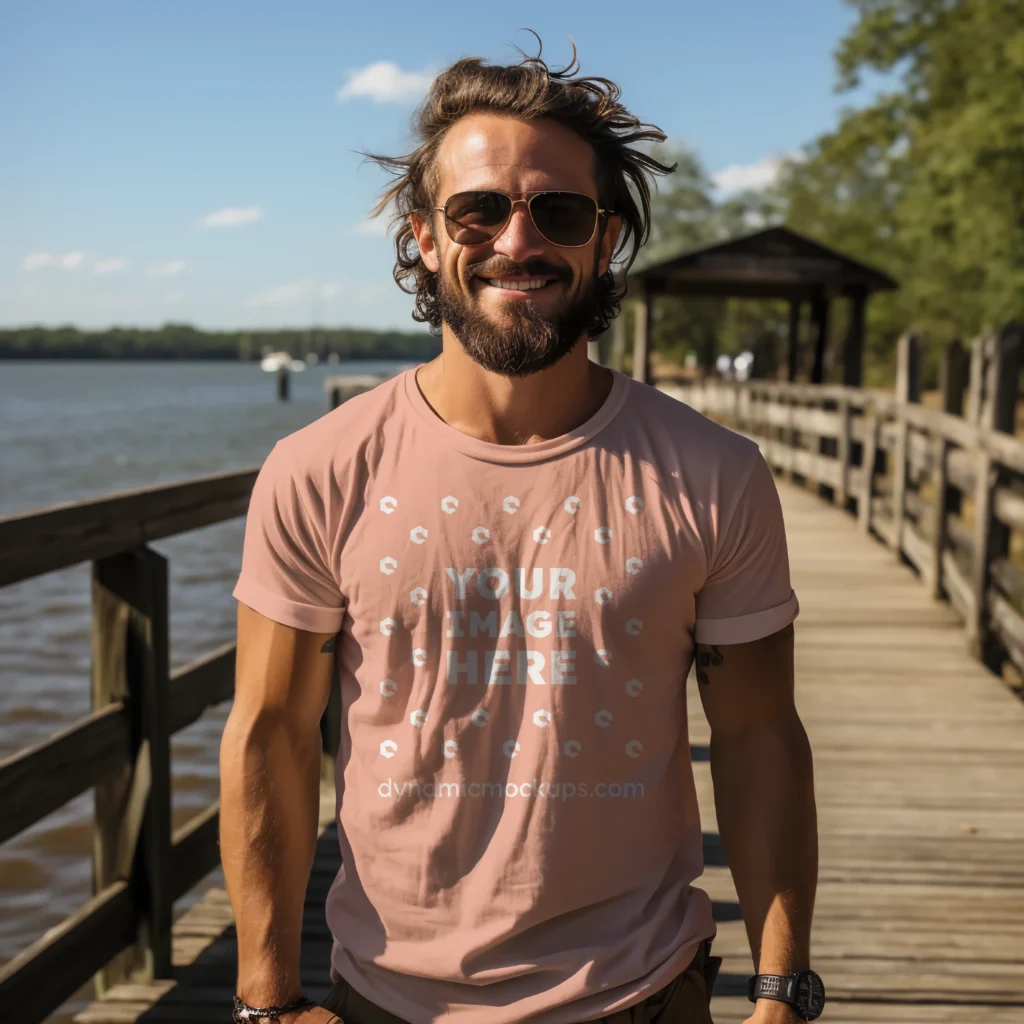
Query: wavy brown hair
[[528, 90]]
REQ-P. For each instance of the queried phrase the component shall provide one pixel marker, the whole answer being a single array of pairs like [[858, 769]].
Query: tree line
[[183, 341]]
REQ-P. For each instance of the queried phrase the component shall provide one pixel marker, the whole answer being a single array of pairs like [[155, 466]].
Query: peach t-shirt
[[516, 807]]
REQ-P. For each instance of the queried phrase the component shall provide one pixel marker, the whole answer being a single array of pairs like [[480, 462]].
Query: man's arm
[[269, 799], [764, 795]]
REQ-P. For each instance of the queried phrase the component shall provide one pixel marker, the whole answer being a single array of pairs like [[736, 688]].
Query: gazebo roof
[[774, 263]]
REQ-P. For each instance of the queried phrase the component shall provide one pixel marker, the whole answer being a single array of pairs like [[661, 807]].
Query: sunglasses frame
[[526, 198]]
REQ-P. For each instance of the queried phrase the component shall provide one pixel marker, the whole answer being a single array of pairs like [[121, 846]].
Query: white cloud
[[282, 295], [738, 177], [376, 227], [167, 269], [385, 82], [306, 290], [65, 261], [112, 266], [231, 217], [37, 260]]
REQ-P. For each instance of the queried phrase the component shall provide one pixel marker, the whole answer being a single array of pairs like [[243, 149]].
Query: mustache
[[496, 267]]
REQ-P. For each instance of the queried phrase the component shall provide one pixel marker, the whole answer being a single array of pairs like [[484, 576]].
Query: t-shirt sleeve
[[747, 594], [285, 571]]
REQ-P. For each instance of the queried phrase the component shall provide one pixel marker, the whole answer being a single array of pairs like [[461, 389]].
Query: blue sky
[[196, 161]]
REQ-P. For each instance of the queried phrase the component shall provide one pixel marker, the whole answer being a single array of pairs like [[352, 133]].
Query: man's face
[[515, 331]]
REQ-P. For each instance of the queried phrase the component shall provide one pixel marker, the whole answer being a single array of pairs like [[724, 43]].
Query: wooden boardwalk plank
[[919, 763]]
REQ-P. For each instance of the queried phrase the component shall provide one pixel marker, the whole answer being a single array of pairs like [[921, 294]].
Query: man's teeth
[[520, 286]]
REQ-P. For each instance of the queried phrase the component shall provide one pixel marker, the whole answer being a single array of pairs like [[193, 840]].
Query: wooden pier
[[901, 522]]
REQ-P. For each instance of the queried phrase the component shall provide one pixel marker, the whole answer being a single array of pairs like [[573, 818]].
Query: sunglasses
[[566, 219]]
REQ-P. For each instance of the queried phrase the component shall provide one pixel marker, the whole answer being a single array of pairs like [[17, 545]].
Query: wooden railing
[[122, 749], [944, 488]]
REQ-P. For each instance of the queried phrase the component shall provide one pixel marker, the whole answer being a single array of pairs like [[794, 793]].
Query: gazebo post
[[642, 336], [708, 359], [853, 349], [819, 316], [793, 351]]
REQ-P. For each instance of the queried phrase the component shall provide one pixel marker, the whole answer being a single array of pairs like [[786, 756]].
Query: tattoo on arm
[[330, 646], [708, 656]]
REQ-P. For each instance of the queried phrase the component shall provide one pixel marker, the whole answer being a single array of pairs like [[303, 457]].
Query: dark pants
[[685, 999]]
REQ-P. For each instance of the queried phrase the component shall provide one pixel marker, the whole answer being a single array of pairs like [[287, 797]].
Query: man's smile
[[514, 287]]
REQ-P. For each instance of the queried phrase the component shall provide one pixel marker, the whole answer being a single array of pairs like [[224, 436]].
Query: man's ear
[[609, 238], [421, 228]]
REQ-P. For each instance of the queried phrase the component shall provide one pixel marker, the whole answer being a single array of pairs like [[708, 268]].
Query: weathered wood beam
[[33, 543]]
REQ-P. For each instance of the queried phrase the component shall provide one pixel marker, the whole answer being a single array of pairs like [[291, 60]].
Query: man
[[518, 554]]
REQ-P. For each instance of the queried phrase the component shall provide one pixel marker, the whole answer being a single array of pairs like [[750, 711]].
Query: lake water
[[74, 430]]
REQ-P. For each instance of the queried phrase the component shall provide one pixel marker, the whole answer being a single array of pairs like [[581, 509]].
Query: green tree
[[928, 180]]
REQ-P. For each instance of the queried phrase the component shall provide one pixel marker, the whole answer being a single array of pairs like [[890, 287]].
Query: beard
[[525, 340]]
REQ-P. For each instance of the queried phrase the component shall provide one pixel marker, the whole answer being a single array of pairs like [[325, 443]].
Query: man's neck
[[513, 410]]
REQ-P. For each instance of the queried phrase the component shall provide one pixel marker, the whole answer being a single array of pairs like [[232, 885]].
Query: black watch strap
[[782, 987]]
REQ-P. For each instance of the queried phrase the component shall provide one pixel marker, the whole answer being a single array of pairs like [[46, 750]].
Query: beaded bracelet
[[243, 1011]]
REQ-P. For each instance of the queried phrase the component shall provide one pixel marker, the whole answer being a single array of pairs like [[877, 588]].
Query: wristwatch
[[803, 991]]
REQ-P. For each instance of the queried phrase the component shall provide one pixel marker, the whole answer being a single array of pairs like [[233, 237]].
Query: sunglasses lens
[[565, 218], [473, 218]]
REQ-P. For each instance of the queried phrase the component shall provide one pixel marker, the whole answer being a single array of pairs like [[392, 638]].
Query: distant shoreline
[[176, 342], [191, 357]]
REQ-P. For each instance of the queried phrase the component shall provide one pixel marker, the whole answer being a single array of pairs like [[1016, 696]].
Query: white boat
[[274, 361]]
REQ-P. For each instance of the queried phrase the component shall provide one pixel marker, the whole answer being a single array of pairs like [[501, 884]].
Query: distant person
[[519, 555]]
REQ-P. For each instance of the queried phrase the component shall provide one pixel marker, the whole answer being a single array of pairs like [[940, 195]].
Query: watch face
[[810, 995]]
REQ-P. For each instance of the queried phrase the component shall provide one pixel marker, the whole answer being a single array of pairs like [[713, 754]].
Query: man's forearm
[[268, 819], [764, 795]]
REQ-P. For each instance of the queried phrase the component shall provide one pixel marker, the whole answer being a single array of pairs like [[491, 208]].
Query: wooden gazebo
[[777, 263]]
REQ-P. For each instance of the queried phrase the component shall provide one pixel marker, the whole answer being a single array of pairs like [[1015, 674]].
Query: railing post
[[843, 452], [991, 538], [908, 391], [869, 453], [952, 381], [130, 663], [642, 324]]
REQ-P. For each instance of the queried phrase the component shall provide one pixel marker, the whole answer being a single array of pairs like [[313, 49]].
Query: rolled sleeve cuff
[[298, 615], [746, 628]]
